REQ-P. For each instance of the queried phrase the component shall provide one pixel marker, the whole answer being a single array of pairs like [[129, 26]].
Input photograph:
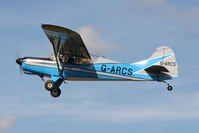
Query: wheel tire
[[49, 85], [170, 88], [56, 93]]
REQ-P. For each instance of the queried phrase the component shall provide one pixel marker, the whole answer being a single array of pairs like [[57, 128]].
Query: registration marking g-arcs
[[117, 69], [167, 63]]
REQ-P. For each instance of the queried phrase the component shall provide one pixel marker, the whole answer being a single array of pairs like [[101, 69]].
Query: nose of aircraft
[[19, 61]]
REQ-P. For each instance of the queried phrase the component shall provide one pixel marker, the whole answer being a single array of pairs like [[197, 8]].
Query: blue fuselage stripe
[[96, 71]]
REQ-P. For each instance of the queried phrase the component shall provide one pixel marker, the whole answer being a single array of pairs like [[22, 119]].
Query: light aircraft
[[72, 61]]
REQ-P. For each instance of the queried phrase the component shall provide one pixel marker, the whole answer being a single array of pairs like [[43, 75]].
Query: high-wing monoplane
[[72, 61]]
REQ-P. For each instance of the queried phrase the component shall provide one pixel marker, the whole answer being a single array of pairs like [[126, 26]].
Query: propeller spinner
[[19, 62]]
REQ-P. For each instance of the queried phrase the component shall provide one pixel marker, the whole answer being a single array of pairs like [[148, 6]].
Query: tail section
[[161, 65], [168, 60]]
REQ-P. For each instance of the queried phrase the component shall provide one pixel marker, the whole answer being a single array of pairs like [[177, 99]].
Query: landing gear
[[169, 88], [49, 85], [56, 93], [53, 86]]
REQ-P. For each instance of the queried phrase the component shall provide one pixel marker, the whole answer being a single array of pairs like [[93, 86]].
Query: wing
[[66, 43]]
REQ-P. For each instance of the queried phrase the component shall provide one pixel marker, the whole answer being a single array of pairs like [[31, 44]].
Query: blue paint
[[58, 81], [148, 63]]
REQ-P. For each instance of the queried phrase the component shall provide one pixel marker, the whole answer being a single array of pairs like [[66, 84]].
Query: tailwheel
[[56, 93], [49, 85], [170, 88]]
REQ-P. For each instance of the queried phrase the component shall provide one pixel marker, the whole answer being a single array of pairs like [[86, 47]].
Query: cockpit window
[[72, 60]]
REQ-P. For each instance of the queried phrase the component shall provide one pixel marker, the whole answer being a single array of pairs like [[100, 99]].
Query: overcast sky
[[122, 30]]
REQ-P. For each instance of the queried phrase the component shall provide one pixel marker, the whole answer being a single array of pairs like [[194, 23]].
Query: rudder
[[168, 60]]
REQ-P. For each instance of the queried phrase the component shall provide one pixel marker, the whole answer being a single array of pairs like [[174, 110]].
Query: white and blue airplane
[[72, 61]]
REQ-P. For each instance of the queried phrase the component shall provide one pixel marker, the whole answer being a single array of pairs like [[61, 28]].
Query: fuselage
[[86, 72]]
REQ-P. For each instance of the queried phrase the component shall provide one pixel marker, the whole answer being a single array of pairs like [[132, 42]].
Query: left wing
[[66, 41], [67, 45]]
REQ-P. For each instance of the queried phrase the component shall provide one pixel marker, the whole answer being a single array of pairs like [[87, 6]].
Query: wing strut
[[56, 57]]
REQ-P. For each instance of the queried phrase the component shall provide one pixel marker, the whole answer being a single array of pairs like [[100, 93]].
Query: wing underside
[[68, 46], [66, 43]]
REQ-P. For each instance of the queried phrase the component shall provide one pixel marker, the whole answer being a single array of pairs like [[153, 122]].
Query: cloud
[[93, 41], [177, 107], [180, 109], [162, 8], [6, 122], [142, 4]]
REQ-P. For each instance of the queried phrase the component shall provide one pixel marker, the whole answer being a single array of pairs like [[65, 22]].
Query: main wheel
[[49, 85], [56, 93], [170, 88]]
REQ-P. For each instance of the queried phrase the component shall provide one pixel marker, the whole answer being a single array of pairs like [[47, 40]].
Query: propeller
[[19, 62], [20, 70]]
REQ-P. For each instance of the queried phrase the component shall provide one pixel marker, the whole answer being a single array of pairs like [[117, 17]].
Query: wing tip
[[56, 27]]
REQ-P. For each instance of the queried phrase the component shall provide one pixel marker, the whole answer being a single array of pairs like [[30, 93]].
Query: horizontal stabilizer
[[156, 69]]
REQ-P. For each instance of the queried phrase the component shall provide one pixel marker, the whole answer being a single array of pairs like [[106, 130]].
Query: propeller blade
[[20, 70]]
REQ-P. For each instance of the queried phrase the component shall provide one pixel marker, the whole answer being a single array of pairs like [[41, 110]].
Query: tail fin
[[168, 61], [161, 65]]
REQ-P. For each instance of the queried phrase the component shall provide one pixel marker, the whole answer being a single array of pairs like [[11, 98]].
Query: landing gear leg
[[53, 86], [169, 88]]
